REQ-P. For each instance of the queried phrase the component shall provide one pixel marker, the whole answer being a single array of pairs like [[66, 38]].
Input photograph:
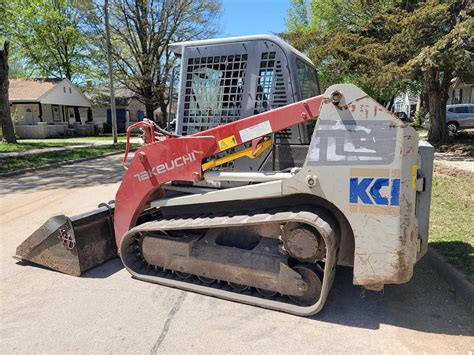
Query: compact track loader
[[266, 187]]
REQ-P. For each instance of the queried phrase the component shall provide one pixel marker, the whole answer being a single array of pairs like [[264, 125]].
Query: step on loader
[[256, 202]]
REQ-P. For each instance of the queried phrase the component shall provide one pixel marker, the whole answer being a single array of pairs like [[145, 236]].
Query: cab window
[[308, 79]]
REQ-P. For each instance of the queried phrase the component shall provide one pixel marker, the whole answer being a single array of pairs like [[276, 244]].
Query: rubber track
[[140, 269]]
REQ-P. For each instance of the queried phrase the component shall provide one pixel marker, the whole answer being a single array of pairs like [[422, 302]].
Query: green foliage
[[349, 42], [447, 37], [49, 38], [420, 117], [298, 17], [390, 46]]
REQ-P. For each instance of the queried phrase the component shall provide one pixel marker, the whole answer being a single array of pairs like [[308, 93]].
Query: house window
[[56, 114], [70, 91], [64, 89]]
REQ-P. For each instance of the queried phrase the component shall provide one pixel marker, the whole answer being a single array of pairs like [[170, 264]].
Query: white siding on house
[[83, 113], [47, 114], [99, 113], [21, 115], [461, 94], [65, 93]]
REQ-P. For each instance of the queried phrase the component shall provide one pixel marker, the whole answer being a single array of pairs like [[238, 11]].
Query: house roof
[[29, 90], [47, 91]]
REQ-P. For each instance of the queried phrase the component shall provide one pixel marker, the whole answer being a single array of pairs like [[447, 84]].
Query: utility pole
[[111, 77], [170, 99]]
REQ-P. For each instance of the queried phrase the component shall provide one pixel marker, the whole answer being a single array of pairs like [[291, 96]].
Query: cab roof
[[178, 47]]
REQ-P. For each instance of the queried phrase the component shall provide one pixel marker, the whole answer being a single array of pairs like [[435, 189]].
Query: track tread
[[140, 269]]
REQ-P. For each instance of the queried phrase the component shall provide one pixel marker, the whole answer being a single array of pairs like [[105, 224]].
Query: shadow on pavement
[[107, 170], [425, 303], [105, 270]]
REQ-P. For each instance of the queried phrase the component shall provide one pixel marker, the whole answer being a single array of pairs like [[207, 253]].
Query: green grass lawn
[[24, 146], [108, 137], [36, 160], [452, 220], [29, 144]]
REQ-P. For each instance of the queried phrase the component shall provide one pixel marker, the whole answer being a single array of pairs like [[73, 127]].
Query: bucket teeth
[[71, 245]]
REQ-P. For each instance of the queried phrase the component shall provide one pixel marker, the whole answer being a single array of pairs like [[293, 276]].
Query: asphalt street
[[107, 311]]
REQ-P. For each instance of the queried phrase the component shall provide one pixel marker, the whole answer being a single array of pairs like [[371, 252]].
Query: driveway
[[108, 311]]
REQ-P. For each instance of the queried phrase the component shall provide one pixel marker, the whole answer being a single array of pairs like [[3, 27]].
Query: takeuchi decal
[[165, 167]]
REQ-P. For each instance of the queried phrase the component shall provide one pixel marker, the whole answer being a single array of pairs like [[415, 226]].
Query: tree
[[141, 31], [50, 37], [5, 115], [387, 47], [445, 52]]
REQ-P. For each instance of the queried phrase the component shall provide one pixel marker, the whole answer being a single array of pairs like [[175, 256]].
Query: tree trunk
[[437, 98], [164, 112], [5, 115], [149, 108]]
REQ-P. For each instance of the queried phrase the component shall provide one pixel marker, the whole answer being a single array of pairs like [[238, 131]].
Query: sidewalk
[[457, 162]]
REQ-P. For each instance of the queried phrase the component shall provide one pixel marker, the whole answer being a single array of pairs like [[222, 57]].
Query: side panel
[[365, 160], [423, 196]]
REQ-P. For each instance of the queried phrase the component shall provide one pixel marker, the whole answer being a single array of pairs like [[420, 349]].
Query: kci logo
[[382, 191]]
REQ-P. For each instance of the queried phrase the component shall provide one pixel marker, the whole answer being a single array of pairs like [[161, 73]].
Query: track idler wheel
[[266, 293], [312, 275], [206, 280], [182, 275], [238, 287]]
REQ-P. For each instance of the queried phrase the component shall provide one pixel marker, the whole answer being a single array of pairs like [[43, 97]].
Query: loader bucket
[[72, 245]]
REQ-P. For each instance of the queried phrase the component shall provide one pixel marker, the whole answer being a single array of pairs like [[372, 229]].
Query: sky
[[249, 17]]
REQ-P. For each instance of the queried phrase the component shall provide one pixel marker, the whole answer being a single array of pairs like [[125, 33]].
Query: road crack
[[166, 327]]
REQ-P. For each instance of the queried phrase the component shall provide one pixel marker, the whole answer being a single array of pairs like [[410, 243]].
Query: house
[[128, 107], [45, 108], [460, 92], [406, 102]]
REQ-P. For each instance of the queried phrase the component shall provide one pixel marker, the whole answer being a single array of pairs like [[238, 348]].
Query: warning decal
[[256, 131], [227, 143]]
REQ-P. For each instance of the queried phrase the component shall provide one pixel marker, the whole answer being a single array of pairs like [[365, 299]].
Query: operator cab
[[223, 80]]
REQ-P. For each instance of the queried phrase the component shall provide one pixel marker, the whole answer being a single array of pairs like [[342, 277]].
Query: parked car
[[458, 117]]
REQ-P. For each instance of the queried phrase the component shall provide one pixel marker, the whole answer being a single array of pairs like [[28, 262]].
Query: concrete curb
[[55, 165], [453, 277]]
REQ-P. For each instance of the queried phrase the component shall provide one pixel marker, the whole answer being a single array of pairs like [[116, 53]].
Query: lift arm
[[171, 159]]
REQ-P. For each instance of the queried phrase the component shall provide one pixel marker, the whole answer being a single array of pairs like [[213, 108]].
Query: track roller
[[312, 275]]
